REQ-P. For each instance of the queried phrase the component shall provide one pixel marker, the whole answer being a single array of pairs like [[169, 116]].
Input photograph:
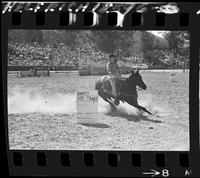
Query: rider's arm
[[118, 69]]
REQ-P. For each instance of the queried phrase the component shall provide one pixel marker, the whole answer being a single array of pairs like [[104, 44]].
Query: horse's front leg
[[143, 109], [134, 103]]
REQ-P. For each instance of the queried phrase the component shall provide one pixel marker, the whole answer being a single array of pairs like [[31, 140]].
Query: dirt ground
[[41, 115]]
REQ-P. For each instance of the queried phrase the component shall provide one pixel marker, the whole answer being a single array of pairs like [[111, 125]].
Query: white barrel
[[86, 106]]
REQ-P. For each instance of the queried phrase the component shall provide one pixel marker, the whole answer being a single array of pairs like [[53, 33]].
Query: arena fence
[[97, 69], [54, 68], [35, 72]]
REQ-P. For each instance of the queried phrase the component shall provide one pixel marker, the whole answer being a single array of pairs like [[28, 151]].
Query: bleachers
[[37, 55]]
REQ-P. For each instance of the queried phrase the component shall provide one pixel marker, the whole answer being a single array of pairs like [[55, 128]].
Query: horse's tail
[[98, 84]]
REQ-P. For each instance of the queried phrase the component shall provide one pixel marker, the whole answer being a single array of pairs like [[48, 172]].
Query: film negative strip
[[101, 88]]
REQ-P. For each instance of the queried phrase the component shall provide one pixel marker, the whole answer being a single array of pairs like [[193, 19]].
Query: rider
[[114, 72]]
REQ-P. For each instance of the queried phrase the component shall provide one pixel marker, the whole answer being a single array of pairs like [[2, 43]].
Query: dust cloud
[[28, 101], [146, 101]]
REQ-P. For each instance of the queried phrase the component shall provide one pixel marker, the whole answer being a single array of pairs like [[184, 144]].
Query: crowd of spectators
[[20, 54], [166, 58]]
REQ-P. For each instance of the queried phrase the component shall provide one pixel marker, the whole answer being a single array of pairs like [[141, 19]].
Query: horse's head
[[136, 78]]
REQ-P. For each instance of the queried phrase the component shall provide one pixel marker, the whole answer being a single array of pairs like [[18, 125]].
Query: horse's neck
[[128, 88]]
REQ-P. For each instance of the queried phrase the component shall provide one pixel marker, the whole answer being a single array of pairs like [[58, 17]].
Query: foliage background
[[68, 47]]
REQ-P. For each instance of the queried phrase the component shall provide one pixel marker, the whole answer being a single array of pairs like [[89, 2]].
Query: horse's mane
[[125, 79]]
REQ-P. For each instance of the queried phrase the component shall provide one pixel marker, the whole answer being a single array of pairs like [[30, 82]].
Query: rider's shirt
[[113, 69]]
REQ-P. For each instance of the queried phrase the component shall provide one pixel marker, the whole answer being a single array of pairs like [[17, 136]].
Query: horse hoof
[[113, 107], [116, 102]]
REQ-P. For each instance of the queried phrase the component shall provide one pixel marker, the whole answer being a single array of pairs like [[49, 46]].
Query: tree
[[57, 37], [179, 42], [114, 41], [148, 44], [26, 36], [178, 39]]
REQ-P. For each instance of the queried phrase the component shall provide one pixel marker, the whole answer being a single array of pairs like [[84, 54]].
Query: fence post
[[184, 67], [35, 71], [48, 71]]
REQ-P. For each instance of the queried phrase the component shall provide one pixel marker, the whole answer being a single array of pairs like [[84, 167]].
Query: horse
[[126, 88]]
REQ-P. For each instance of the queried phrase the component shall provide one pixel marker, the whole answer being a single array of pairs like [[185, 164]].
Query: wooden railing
[[54, 68]]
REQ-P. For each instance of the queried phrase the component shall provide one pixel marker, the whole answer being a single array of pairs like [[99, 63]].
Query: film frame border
[[148, 157]]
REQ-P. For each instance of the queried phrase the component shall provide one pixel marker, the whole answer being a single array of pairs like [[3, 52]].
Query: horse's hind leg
[[113, 107], [101, 93], [104, 97]]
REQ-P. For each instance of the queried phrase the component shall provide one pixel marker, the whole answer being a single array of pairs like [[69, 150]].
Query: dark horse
[[126, 88]]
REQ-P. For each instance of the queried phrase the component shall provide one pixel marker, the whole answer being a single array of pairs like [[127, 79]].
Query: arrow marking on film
[[153, 173]]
